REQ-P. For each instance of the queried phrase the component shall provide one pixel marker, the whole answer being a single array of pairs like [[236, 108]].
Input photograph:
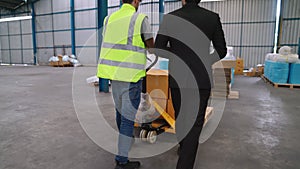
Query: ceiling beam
[[14, 2], [7, 5]]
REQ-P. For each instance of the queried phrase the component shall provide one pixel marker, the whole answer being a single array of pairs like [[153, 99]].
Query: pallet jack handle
[[144, 88]]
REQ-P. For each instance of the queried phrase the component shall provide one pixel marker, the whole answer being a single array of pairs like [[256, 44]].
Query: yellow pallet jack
[[150, 131]]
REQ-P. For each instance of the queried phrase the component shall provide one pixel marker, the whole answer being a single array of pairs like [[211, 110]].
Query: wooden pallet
[[233, 95], [277, 85]]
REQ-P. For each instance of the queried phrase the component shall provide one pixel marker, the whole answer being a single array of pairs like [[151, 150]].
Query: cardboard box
[[238, 71], [239, 68], [252, 73], [239, 62], [157, 83], [224, 64], [54, 64], [161, 102], [60, 62], [261, 69]]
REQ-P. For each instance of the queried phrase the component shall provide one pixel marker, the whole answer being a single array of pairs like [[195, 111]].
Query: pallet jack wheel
[[143, 135], [152, 137]]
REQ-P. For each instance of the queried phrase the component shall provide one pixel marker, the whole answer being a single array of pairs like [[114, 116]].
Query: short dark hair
[[196, 1], [127, 1]]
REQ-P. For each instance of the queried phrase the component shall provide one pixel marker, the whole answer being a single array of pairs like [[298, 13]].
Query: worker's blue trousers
[[127, 99]]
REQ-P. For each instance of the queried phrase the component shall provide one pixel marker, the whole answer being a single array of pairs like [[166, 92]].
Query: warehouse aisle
[[39, 127]]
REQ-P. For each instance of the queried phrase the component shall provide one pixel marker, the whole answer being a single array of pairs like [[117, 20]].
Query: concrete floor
[[39, 128]]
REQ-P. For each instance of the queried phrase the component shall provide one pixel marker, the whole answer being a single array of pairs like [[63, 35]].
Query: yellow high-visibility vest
[[123, 52]]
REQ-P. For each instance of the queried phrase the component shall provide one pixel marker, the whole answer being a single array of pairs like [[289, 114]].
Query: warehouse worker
[[185, 35], [126, 35]]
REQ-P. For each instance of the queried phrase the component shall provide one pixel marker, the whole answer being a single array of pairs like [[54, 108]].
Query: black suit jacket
[[184, 37]]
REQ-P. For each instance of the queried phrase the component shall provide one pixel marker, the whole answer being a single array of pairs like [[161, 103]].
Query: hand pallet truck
[[150, 131]]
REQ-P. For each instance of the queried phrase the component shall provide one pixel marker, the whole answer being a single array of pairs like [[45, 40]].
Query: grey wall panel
[[5, 56], [172, 6], [232, 34], [247, 28], [27, 41], [44, 39], [43, 55], [258, 10], [62, 38], [254, 56], [28, 56], [79, 4], [85, 19], [16, 56], [60, 51], [206, 5], [26, 26], [113, 2], [61, 21], [3, 28], [152, 11], [15, 42], [112, 10], [87, 56], [86, 37], [236, 51], [229, 11], [290, 32], [4, 43], [44, 23], [291, 23], [258, 34], [43, 6], [61, 5], [14, 27], [291, 8]]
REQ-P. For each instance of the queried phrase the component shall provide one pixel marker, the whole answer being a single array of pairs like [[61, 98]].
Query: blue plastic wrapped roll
[[164, 64], [232, 76], [294, 73], [277, 72]]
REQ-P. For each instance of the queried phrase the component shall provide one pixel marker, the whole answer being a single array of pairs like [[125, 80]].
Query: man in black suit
[[184, 37]]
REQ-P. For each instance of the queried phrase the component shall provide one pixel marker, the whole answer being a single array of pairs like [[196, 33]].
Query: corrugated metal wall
[[53, 29], [16, 38], [249, 27], [290, 24]]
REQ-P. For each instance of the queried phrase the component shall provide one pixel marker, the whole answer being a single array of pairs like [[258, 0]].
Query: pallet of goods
[[282, 70]]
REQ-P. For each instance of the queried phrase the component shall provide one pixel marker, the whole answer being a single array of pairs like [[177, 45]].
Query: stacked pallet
[[60, 61], [222, 78], [222, 82]]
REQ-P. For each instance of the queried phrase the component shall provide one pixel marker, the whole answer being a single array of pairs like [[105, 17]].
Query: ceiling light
[[15, 18]]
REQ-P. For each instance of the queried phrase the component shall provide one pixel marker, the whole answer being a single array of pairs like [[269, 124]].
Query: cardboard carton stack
[[260, 69], [239, 68], [222, 78], [221, 82]]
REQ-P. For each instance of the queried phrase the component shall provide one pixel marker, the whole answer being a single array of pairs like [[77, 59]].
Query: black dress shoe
[[128, 165]]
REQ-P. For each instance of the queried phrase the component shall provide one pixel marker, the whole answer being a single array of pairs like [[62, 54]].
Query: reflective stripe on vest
[[122, 64], [129, 45]]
